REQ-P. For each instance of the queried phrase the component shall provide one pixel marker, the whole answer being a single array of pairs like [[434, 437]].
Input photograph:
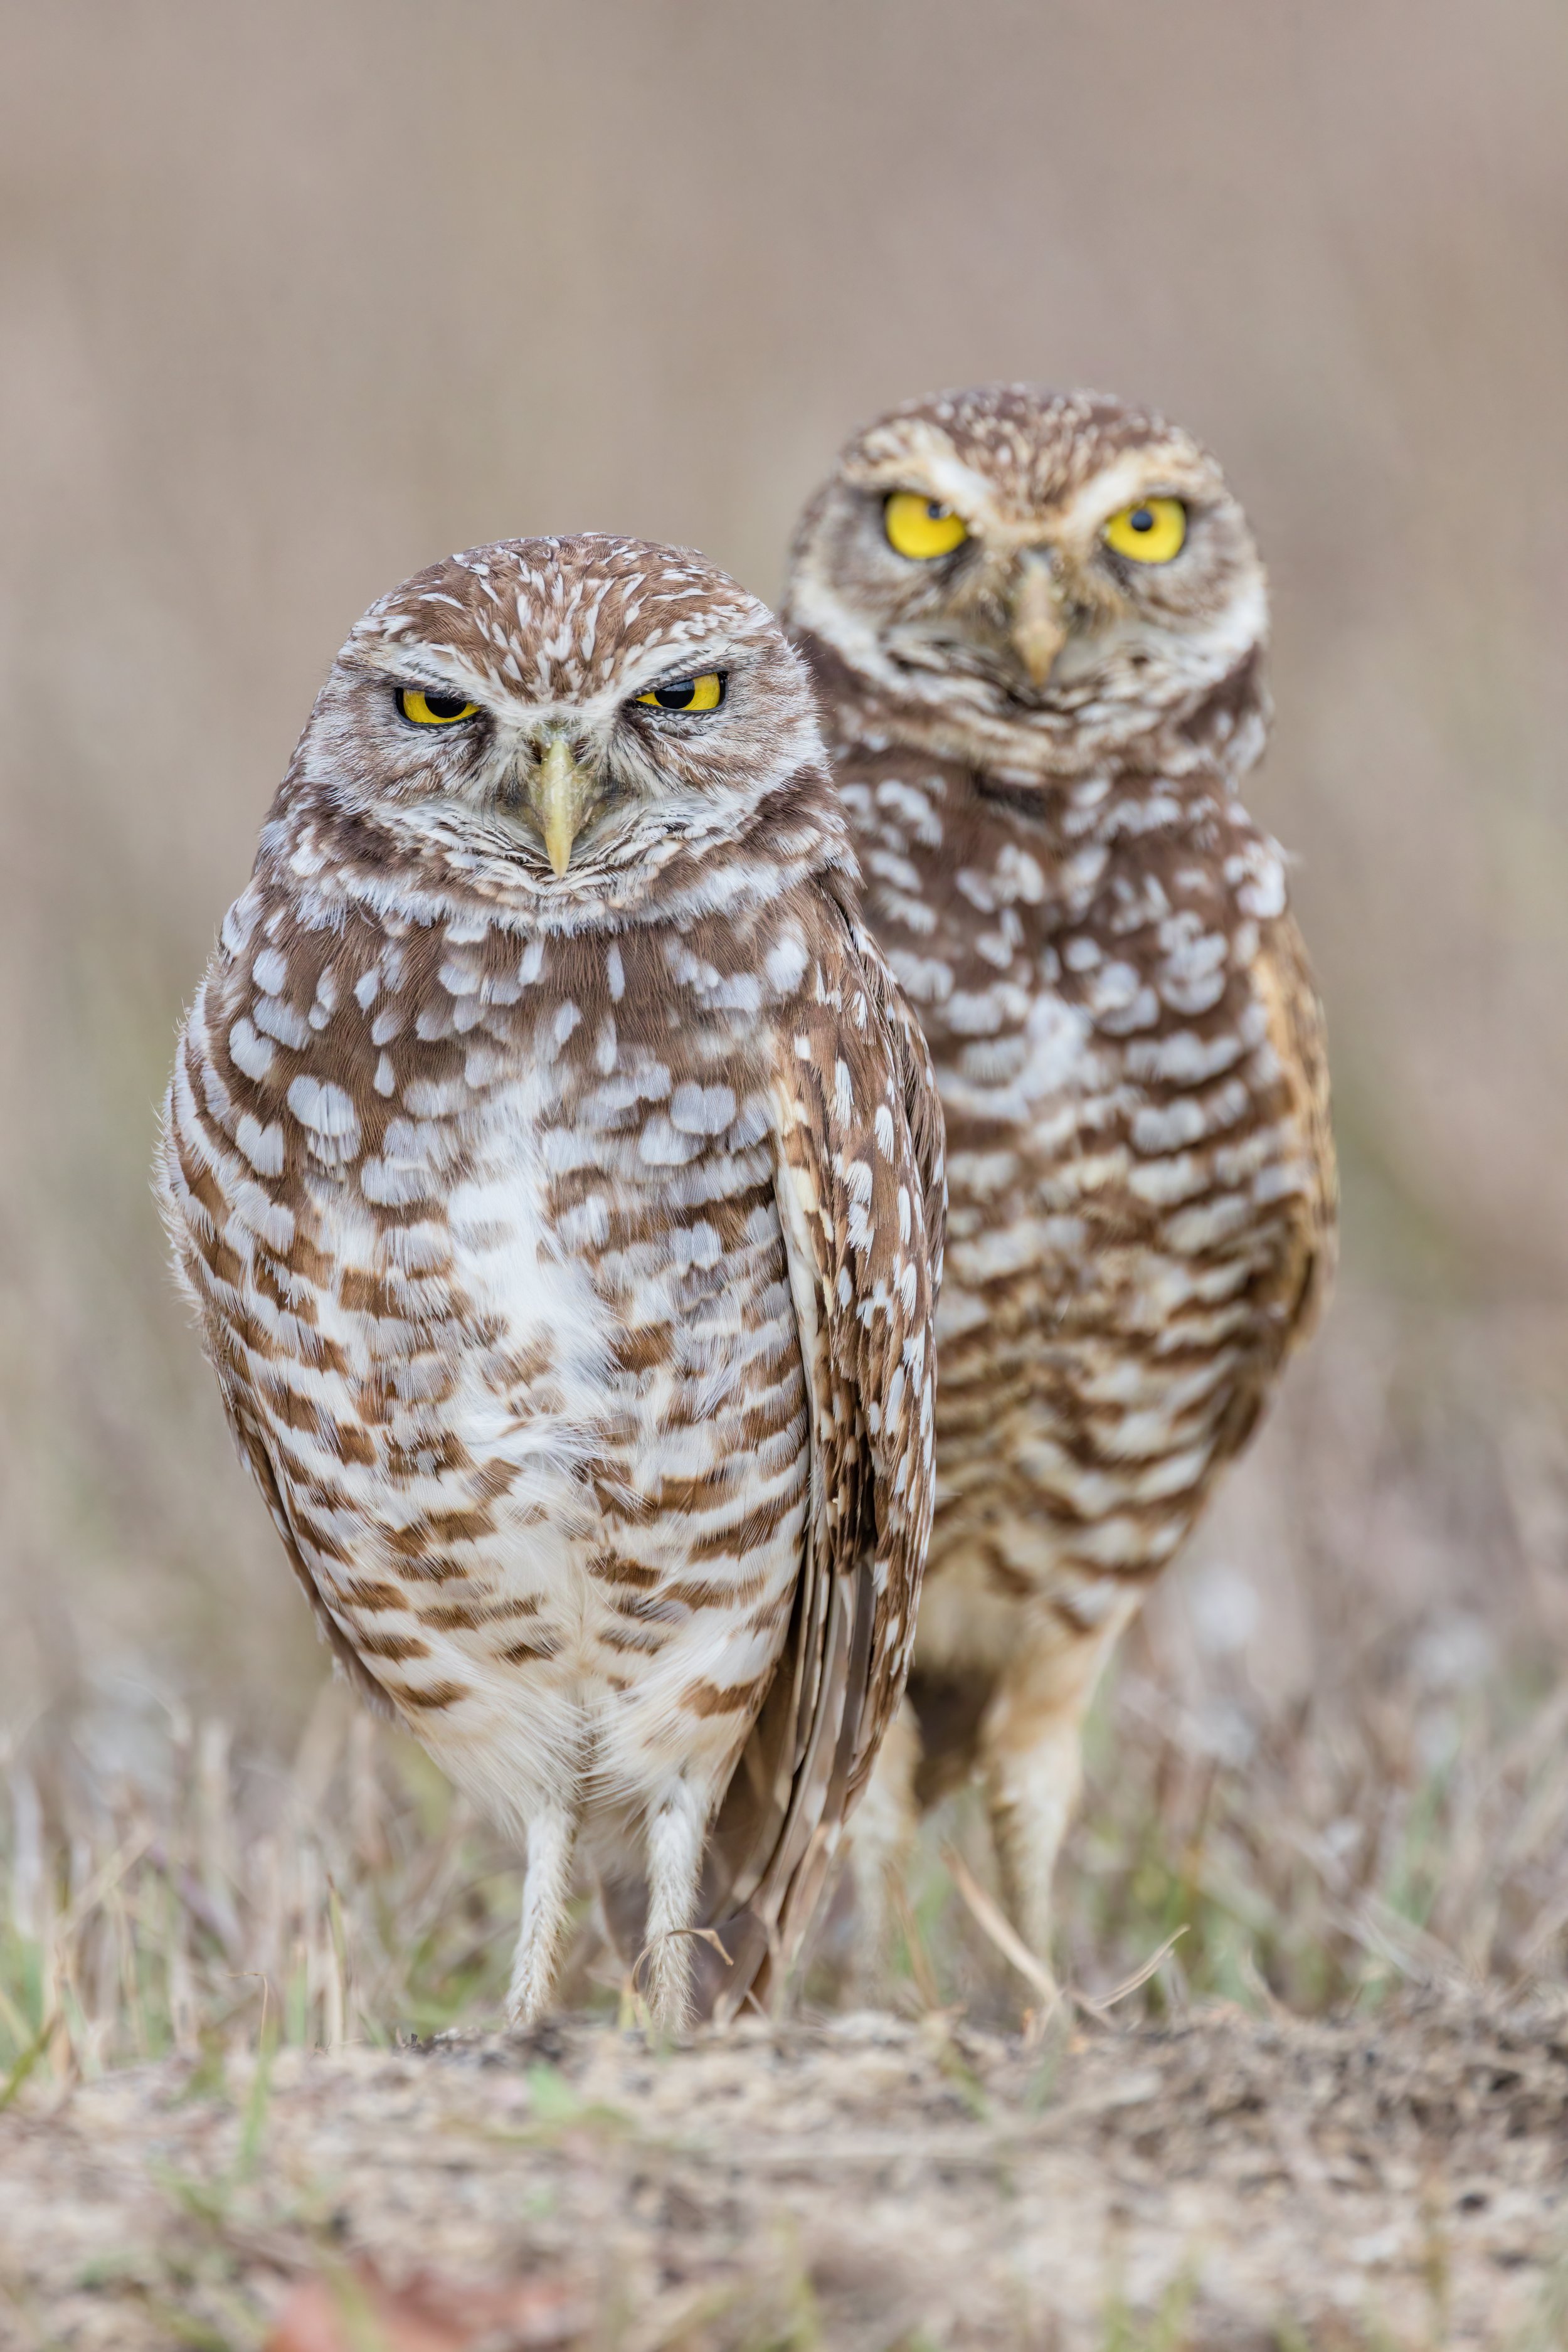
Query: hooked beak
[[561, 795], [1037, 630]]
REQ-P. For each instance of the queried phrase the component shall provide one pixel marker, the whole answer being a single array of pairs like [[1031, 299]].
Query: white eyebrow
[[1106, 493], [679, 661], [958, 486]]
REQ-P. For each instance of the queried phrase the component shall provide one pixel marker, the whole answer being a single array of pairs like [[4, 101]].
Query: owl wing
[[861, 1197], [252, 1443], [1291, 1285], [1295, 1016]]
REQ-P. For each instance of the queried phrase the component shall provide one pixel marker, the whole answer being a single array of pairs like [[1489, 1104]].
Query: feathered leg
[[1031, 1756], [676, 1835], [881, 1838], [546, 1889]]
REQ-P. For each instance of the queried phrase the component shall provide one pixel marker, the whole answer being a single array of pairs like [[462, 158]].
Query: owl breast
[[514, 1346], [648, 1389], [1136, 1169]]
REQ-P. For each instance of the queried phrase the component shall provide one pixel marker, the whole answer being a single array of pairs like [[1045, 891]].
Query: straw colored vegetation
[[351, 1898], [1334, 1762]]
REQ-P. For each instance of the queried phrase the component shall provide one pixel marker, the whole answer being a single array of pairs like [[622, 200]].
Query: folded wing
[[862, 1200]]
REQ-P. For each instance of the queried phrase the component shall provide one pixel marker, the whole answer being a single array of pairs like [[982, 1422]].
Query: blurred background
[[296, 298]]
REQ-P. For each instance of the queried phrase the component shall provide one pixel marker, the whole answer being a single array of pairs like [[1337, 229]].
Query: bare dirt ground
[[1393, 2181]]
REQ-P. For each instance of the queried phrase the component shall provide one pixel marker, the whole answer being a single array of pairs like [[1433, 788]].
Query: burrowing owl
[[557, 1175], [1036, 623]]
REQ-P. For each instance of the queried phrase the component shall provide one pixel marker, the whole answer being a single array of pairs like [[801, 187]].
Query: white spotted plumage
[[1039, 745], [565, 1337]]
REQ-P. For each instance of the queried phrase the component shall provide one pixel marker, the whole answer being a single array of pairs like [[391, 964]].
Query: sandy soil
[[1397, 2181]]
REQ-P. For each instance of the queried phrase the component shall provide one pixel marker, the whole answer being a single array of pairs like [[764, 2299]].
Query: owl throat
[[1126, 784]]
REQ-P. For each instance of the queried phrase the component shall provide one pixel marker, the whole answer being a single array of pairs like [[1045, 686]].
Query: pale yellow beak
[[561, 795], [1038, 631]]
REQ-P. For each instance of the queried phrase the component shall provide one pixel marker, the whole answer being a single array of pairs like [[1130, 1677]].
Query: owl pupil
[[676, 694], [444, 706], [1141, 519], [936, 511]]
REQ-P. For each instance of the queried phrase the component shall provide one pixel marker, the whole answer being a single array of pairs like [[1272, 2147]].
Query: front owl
[[1037, 622], [556, 1173]]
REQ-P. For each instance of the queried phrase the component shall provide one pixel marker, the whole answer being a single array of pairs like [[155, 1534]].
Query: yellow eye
[[1151, 532], [704, 693], [433, 710], [921, 527]]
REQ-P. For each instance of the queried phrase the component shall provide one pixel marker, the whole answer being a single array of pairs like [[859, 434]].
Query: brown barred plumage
[[563, 1215], [1039, 741]]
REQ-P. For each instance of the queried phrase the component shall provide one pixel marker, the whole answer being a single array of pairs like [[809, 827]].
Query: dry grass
[[352, 1899], [342, 1898]]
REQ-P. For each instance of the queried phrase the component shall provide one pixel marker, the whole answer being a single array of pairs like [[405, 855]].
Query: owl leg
[[1031, 1756], [677, 1837], [881, 1838], [546, 1890]]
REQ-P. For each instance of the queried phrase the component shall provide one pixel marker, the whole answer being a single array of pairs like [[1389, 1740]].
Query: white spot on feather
[[248, 1052], [785, 964], [262, 1146], [663, 1144], [278, 1019], [701, 1110], [326, 1109]]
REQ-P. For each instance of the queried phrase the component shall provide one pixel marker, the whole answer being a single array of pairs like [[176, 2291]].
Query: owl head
[[1045, 577], [570, 728]]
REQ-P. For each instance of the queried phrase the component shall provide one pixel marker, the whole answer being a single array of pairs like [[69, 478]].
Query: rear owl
[[556, 1174], [1036, 623]]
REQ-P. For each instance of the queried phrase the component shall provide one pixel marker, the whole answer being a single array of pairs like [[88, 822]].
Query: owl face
[[1056, 573], [560, 721]]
